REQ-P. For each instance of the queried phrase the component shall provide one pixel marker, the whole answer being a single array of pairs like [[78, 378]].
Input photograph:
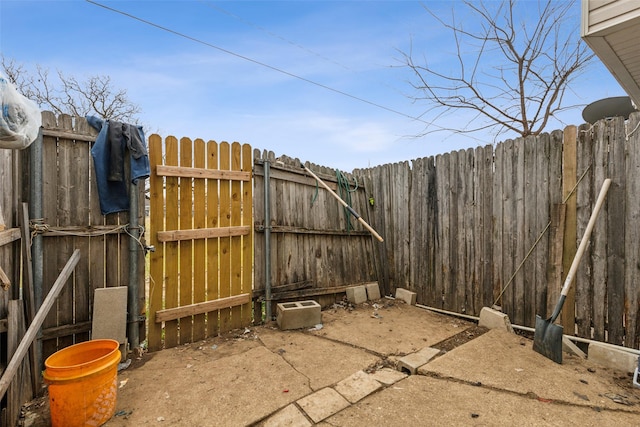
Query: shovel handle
[[345, 204], [581, 248]]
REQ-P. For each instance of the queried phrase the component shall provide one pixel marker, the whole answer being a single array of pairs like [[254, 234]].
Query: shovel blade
[[547, 339]]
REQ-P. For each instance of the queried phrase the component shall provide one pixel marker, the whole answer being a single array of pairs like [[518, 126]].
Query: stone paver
[[357, 386], [388, 376], [322, 404], [289, 416]]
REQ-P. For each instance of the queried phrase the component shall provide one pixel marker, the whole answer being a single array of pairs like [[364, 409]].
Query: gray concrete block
[[613, 358], [411, 362], [322, 404], [373, 291], [356, 294], [288, 416], [357, 386], [298, 314], [387, 376], [406, 296], [110, 314], [569, 346], [493, 319]]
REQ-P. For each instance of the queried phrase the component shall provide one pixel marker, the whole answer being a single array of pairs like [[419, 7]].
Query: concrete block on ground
[[493, 319], [406, 296], [110, 314], [288, 416], [357, 294], [298, 314], [411, 362], [387, 376], [613, 358], [373, 291], [569, 346], [357, 386], [322, 404]]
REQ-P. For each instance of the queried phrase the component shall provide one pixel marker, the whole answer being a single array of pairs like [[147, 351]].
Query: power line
[[271, 67], [272, 34]]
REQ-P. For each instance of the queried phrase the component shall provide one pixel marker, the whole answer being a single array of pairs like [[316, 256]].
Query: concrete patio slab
[[312, 355], [424, 401], [506, 361], [398, 329], [228, 390]]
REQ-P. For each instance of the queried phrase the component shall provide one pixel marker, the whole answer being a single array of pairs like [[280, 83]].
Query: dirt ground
[[479, 377]]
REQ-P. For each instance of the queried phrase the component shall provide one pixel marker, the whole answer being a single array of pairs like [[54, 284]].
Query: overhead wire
[[213, 6], [262, 64]]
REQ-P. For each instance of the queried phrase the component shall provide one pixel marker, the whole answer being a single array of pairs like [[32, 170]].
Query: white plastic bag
[[20, 118]]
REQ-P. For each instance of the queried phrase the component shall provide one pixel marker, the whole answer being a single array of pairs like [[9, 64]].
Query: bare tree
[[511, 74], [68, 95]]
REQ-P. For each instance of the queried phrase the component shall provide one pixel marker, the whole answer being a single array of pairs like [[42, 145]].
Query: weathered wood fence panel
[[315, 248], [72, 220], [200, 214], [484, 226]]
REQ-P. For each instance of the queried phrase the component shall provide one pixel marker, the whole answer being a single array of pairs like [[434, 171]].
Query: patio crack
[[280, 352]]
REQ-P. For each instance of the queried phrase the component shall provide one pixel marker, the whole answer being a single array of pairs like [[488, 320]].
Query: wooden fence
[[315, 250], [472, 228], [71, 219], [201, 270], [475, 227]]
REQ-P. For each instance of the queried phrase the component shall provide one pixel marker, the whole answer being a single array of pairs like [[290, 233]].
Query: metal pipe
[[134, 247], [528, 329], [35, 208], [267, 238]]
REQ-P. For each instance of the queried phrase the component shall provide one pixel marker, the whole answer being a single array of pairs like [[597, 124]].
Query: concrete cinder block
[[298, 314], [373, 291], [406, 296], [322, 404], [611, 357], [357, 294], [411, 362], [569, 346], [357, 386], [493, 319]]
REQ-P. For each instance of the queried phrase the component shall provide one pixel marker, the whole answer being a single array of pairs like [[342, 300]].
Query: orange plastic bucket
[[83, 383]]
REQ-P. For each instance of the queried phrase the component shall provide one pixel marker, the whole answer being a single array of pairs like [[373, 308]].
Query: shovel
[[547, 338]]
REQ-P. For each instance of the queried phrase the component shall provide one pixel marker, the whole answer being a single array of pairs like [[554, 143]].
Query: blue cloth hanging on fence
[[108, 154]]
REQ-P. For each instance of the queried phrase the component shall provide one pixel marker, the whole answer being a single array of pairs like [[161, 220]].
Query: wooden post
[[31, 333], [569, 179]]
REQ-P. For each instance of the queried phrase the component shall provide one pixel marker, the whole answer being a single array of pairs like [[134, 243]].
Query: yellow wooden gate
[[201, 227]]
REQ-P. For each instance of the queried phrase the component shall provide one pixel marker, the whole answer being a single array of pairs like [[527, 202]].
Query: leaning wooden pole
[[31, 333], [345, 204]]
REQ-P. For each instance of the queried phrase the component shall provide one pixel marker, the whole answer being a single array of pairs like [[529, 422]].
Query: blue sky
[[186, 88]]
